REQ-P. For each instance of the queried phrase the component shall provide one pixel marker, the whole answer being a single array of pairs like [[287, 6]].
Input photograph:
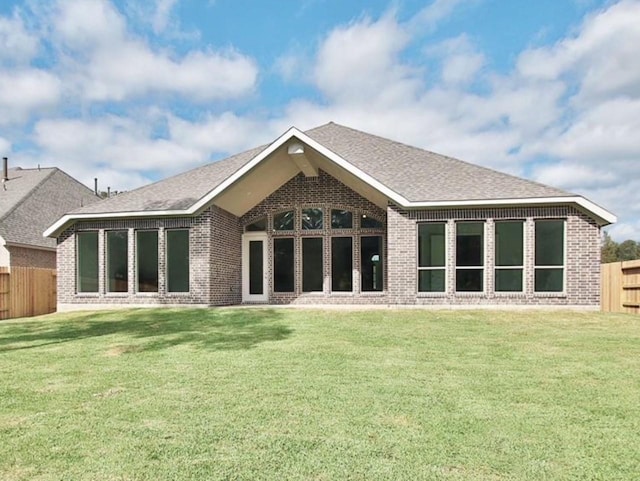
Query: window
[[549, 256], [371, 263], [117, 257], [341, 219], [260, 225], [147, 260], [341, 264], [87, 261], [367, 222], [177, 260], [283, 265], [256, 267], [283, 221], [312, 274], [470, 257], [431, 257], [311, 219], [509, 243]]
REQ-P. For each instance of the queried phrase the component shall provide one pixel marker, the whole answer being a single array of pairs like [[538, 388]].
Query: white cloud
[[430, 16], [601, 57], [25, 91], [161, 16], [360, 61], [16, 43], [106, 62]]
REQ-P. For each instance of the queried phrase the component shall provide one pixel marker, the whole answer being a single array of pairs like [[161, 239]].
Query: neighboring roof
[[32, 199], [409, 176]]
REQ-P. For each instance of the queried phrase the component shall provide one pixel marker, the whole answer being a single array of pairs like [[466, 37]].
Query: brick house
[[30, 200], [334, 216]]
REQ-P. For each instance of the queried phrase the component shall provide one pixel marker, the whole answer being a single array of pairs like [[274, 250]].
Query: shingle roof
[[422, 176], [174, 193], [416, 174], [34, 199]]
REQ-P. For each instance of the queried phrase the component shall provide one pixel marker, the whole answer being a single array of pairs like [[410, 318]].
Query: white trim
[[601, 214], [29, 246], [246, 295]]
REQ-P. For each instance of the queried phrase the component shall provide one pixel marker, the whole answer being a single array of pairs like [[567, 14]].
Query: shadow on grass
[[151, 329]]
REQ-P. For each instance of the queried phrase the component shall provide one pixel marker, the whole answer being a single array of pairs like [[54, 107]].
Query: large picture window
[[431, 257], [312, 274], [371, 263], [117, 257], [549, 256], [341, 264], [147, 260], [283, 265], [87, 261], [509, 256], [470, 257], [177, 260]]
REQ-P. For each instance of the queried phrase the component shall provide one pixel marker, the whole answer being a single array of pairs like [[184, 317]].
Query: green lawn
[[323, 395]]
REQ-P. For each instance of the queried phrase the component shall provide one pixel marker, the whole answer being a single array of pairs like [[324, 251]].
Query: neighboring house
[[30, 200], [334, 215]]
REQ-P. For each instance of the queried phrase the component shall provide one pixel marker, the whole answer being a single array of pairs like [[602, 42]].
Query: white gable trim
[[601, 214]]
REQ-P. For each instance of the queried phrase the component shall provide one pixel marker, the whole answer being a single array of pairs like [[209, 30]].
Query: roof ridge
[[448, 157], [28, 193]]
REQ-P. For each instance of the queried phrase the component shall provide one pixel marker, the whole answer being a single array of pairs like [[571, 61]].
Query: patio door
[[254, 267]]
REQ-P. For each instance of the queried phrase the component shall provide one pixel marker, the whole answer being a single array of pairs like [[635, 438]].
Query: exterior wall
[[582, 259], [200, 240], [5, 257], [25, 257], [225, 258], [326, 192]]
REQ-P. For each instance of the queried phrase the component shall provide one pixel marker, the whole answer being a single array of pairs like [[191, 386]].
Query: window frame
[[293, 260], [444, 268], [137, 263], [482, 268], [107, 270], [382, 261], [353, 263], [166, 261], [562, 292], [496, 267], [77, 256], [322, 252]]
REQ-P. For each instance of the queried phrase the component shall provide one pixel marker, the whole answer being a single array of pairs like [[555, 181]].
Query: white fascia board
[[602, 214], [61, 223]]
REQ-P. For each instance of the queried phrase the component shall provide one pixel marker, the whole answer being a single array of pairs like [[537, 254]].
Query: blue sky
[[131, 91]]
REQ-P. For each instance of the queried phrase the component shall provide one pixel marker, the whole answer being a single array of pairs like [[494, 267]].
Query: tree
[[628, 250], [609, 251]]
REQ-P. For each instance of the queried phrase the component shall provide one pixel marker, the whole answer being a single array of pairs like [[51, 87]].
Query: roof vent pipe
[[95, 185], [5, 169]]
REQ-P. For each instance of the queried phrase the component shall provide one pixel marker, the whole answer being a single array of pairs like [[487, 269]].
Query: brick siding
[[216, 252], [26, 257]]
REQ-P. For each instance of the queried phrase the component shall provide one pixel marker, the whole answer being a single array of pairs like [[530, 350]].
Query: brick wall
[[216, 252], [582, 262], [199, 252], [327, 193], [24, 257], [225, 258]]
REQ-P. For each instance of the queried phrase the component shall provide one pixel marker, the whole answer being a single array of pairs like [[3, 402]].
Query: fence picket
[[27, 291]]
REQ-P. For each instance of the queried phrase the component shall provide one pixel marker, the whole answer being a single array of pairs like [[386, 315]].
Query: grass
[[290, 394]]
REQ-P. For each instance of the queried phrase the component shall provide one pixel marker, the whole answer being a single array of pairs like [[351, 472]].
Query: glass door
[[254, 267]]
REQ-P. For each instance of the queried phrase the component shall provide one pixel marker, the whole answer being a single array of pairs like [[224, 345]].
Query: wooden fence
[[621, 287], [27, 291]]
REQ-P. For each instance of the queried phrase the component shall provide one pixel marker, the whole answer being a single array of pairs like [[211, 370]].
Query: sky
[[132, 91]]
